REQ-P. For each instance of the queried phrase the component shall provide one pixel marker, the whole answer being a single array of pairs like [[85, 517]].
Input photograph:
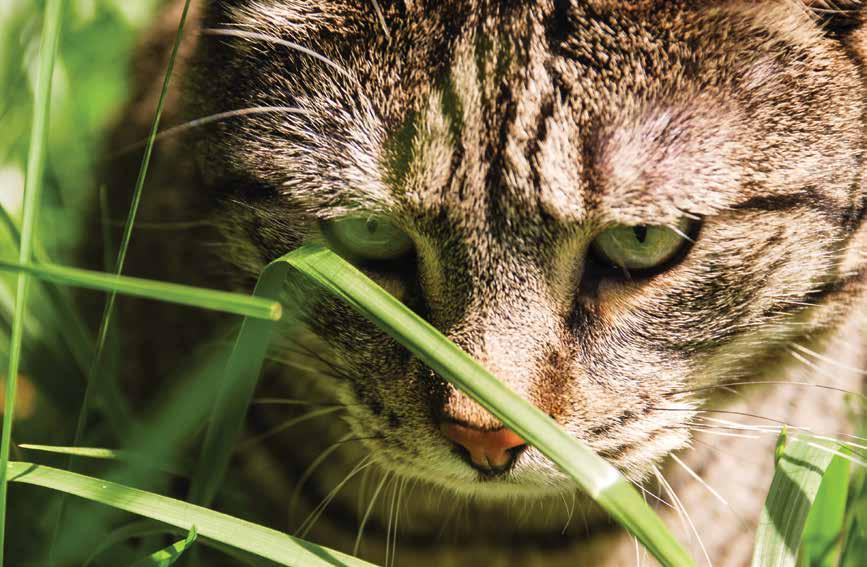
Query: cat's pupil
[[640, 233], [372, 226]]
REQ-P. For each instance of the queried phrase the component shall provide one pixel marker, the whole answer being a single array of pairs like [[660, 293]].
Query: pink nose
[[488, 449]]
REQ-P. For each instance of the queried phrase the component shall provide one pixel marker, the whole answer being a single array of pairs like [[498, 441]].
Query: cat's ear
[[838, 17]]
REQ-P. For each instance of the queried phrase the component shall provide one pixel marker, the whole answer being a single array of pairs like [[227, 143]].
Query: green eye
[[368, 238], [641, 247]]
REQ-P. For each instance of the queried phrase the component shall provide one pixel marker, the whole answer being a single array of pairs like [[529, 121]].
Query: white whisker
[[684, 515], [278, 41], [286, 425], [840, 454], [367, 513], [314, 516], [206, 120], [829, 360], [308, 472]]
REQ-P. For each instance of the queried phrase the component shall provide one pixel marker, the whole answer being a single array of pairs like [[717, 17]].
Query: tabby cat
[[630, 212]]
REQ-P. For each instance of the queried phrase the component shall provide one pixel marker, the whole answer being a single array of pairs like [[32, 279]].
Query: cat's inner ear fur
[[838, 17]]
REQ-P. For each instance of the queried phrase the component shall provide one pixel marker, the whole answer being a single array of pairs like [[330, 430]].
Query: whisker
[[647, 493], [829, 360], [725, 433], [570, 511], [367, 513], [286, 425], [769, 383], [840, 454], [393, 487], [709, 488], [206, 120], [774, 430], [278, 41], [400, 488], [685, 515], [308, 472], [290, 402], [728, 412], [314, 516]]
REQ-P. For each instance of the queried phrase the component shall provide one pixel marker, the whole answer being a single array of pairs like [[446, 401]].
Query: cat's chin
[[521, 483]]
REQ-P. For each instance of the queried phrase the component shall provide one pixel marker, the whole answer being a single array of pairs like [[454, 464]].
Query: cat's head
[[609, 204]]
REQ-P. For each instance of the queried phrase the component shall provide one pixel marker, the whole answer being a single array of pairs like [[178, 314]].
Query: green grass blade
[[216, 526], [32, 191], [133, 457], [236, 391], [213, 300], [823, 531], [138, 529], [146, 528], [593, 474], [800, 468], [167, 557], [77, 335], [94, 386]]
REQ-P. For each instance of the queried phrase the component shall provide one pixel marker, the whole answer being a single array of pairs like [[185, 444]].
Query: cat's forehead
[[603, 110], [632, 112]]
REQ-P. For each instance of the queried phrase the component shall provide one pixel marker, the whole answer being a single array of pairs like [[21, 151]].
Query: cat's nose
[[488, 451]]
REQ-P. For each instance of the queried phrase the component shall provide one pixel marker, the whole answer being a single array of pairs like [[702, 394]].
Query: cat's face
[[606, 203]]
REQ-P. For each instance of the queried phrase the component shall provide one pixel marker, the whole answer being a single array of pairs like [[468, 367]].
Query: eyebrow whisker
[[278, 41]]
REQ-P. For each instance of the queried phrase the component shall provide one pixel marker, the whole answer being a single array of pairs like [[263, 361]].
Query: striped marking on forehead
[[494, 137]]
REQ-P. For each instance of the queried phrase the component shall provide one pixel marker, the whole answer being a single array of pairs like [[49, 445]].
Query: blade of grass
[[235, 532], [213, 300], [79, 340], [823, 531], [235, 391], [75, 332], [146, 528], [32, 190], [94, 382], [137, 529], [136, 458], [592, 473], [800, 468], [167, 557], [182, 410]]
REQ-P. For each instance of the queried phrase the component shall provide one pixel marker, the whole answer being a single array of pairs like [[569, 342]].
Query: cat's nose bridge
[[512, 345]]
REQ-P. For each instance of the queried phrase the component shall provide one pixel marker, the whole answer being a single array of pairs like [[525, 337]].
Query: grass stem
[[32, 191]]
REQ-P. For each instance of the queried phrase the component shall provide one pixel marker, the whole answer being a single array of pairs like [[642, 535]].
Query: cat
[[627, 211]]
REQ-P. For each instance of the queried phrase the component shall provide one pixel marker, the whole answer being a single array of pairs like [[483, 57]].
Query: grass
[[32, 193], [807, 519]]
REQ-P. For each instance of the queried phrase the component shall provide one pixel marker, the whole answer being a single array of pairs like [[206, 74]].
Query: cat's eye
[[641, 248], [373, 238]]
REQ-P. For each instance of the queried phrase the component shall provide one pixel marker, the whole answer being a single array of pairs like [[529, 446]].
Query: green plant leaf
[[243, 535], [799, 473], [32, 193], [137, 529], [139, 459], [215, 300], [235, 390], [820, 546], [169, 555], [592, 473]]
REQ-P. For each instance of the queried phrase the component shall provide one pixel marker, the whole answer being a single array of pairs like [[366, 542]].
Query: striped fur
[[503, 136]]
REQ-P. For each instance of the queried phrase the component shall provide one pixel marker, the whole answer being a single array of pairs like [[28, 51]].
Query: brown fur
[[503, 137]]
